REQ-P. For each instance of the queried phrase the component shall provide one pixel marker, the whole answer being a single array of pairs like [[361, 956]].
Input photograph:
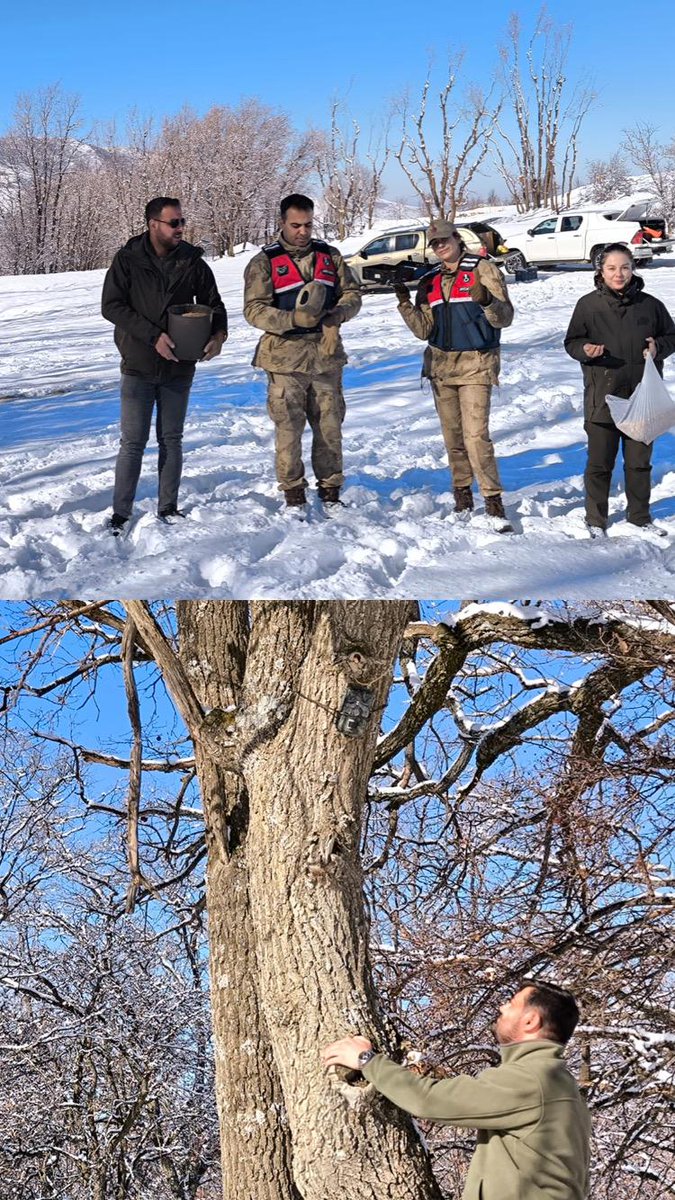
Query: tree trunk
[[306, 783], [255, 1140]]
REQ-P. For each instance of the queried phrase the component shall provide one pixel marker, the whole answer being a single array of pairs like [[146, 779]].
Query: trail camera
[[356, 709]]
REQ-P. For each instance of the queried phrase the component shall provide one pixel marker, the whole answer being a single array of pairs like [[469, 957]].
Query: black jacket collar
[[141, 248], [626, 296]]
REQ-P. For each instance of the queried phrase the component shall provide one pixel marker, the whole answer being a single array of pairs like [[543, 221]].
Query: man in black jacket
[[148, 275]]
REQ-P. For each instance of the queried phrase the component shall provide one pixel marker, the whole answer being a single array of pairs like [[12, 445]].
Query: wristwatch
[[365, 1057]]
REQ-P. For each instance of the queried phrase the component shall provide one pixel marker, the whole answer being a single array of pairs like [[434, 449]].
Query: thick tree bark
[[255, 1139], [306, 782]]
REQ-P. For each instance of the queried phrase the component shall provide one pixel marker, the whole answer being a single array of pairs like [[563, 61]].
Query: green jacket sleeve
[[503, 1097]]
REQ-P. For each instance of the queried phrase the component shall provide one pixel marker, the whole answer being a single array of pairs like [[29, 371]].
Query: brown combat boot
[[494, 507], [329, 495], [295, 497], [463, 499]]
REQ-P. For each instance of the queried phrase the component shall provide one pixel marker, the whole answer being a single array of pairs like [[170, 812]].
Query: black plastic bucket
[[190, 329]]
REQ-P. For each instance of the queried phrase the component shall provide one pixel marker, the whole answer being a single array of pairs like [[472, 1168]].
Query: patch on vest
[[282, 270]]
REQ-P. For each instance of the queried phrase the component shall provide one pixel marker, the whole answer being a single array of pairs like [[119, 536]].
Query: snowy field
[[59, 379]]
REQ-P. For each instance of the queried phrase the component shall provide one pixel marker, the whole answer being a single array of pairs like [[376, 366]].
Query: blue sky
[[100, 721], [296, 57]]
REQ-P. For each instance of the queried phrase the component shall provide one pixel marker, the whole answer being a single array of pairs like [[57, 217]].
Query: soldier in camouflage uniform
[[299, 291], [460, 307]]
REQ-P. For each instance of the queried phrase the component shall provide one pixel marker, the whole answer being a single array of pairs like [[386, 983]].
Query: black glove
[[402, 292]]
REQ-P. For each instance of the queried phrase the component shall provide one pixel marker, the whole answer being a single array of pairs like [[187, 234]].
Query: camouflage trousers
[[464, 411], [292, 401]]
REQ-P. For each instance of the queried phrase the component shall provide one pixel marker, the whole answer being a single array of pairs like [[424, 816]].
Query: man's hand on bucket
[[214, 345], [165, 346]]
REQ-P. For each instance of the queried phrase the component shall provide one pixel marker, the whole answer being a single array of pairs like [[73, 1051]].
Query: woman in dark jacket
[[612, 331]]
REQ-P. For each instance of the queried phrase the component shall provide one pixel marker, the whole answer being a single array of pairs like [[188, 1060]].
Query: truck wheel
[[595, 257], [514, 261]]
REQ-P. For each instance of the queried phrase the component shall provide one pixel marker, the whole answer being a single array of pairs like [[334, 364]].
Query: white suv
[[573, 237]]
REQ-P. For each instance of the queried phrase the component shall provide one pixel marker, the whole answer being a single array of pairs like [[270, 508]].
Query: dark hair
[[153, 208], [556, 1006], [615, 248], [296, 200]]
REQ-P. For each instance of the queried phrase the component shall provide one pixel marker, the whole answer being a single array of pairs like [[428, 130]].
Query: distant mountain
[[85, 155]]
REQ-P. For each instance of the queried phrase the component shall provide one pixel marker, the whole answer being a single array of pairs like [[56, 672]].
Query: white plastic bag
[[649, 412]]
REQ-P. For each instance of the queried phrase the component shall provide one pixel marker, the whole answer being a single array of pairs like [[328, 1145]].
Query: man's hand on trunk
[[345, 1053]]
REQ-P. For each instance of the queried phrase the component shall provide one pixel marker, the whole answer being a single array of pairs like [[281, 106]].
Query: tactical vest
[[459, 323], [287, 280]]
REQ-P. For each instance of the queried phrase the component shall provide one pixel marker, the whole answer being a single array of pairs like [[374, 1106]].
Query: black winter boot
[[117, 523]]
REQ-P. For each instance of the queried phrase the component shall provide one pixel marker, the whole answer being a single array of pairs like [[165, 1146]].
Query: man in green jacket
[[532, 1122]]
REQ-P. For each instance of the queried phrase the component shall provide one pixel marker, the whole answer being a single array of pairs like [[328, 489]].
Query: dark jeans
[[139, 397], [603, 446]]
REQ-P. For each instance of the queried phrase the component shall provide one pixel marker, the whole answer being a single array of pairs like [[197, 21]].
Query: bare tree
[[301, 953], [527, 830], [657, 161], [183, 162], [545, 114], [40, 149], [351, 187], [574, 117], [85, 222], [441, 178], [135, 173], [246, 154], [513, 817], [106, 1052], [608, 179], [68, 206], [304, 794]]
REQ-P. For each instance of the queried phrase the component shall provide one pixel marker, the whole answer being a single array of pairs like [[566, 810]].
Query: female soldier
[[612, 331], [460, 307]]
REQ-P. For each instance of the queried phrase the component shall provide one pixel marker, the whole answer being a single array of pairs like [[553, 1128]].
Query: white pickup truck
[[573, 237]]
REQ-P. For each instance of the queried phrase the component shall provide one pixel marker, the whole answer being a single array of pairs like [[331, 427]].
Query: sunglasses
[[175, 222], [443, 241]]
